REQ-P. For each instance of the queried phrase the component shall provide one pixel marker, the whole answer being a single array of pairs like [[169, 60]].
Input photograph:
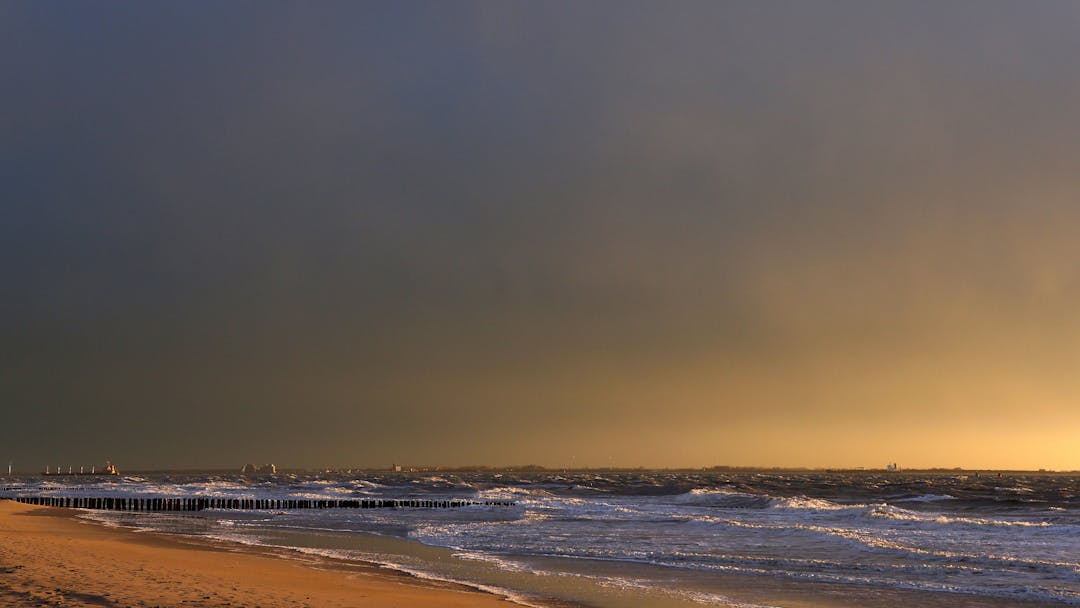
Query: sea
[[655, 538]]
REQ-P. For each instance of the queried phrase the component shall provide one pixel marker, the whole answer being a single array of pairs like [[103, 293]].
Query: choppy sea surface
[[659, 538]]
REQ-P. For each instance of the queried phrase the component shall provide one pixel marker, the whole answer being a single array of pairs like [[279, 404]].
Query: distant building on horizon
[[892, 467], [254, 469]]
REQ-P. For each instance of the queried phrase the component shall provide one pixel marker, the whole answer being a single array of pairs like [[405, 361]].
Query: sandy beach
[[48, 558]]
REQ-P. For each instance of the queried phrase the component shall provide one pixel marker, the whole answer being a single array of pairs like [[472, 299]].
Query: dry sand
[[48, 558]]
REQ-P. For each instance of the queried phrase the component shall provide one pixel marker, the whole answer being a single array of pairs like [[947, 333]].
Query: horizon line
[[542, 468]]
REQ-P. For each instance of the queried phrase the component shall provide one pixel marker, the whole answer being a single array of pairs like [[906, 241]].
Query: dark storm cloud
[[349, 233]]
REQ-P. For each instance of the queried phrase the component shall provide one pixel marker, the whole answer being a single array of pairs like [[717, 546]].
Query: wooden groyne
[[196, 503]]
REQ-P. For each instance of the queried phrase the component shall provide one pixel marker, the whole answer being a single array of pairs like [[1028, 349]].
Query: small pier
[[196, 503]]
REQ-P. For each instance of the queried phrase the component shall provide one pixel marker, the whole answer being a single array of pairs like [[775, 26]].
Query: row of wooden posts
[[199, 503]]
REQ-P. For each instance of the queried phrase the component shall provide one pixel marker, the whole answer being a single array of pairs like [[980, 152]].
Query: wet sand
[[48, 558]]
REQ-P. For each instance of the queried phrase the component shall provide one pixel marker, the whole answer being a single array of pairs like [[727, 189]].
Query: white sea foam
[[502, 563]]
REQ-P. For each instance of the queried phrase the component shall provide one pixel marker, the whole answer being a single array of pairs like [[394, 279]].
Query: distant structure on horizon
[[254, 469], [109, 469], [892, 467]]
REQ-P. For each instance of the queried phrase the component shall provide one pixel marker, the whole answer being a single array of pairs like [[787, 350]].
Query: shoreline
[[50, 556], [319, 560]]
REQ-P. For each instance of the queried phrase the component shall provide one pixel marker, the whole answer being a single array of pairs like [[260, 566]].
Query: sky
[[624, 233]]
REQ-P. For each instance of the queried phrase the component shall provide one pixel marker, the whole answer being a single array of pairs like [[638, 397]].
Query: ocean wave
[[723, 499], [730, 499], [884, 539], [926, 498], [811, 504], [897, 513], [515, 493]]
